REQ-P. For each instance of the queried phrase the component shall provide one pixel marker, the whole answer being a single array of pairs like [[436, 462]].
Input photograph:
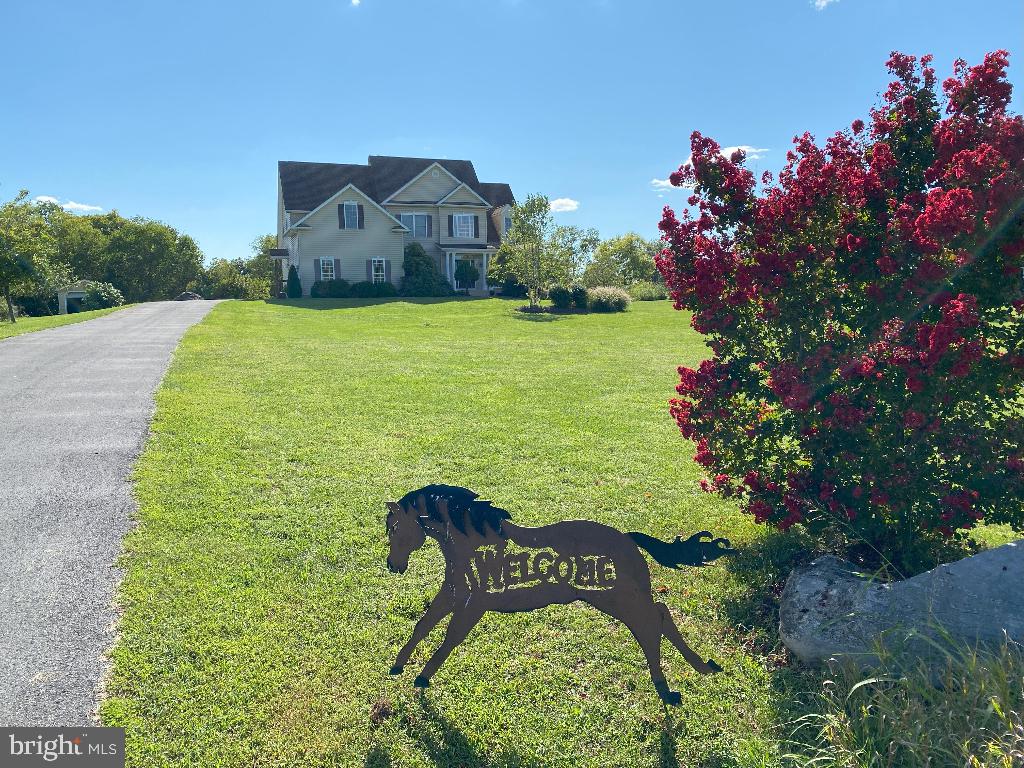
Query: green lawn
[[29, 324], [259, 619]]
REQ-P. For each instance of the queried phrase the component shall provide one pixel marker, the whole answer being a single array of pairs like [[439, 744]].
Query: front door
[[465, 285]]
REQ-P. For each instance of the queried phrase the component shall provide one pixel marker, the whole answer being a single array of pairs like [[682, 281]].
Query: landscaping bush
[[607, 298], [368, 290], [513, 289], [422, 277], [330, 289], [866, 319], [465, 272], [578, 295], [101, 296], [646, 290], [294, 285], [560, 296]]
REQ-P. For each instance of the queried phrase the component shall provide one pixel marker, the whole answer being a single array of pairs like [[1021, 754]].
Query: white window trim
[[355, 205], [321, 275], [455, 224], [412, 229], [383, 270]]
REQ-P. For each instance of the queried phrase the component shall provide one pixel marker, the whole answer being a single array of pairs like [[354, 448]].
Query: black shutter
[[369, 270], [476, 226], [451, 225], [316, 270], [337, 269], [362, 220], [387, 271], [341, 216], [430, 225]]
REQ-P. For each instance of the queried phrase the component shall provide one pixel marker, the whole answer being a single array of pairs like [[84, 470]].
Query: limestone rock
[[829, 608]]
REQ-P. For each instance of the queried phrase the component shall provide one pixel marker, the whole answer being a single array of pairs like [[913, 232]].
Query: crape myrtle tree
[[866, 319]]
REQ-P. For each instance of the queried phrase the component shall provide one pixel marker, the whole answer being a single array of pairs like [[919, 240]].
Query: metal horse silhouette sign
[[492, 564]]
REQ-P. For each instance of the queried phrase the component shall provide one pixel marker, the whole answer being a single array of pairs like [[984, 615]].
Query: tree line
[[537, 254], [44, 248]]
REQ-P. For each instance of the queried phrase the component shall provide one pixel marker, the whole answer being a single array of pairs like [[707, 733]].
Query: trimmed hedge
[[330, 289], [368, 290]]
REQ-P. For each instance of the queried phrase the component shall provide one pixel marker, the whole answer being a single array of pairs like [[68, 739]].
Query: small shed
[[69, 299]]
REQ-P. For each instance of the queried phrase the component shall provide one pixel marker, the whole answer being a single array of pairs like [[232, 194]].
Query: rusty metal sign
[[492, 564]]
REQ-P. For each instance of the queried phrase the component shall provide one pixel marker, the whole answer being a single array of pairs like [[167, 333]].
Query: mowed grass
[[259, 620], [29, 324]]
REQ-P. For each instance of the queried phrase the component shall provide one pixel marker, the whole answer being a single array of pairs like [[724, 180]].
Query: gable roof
[[497, 194], [393, 173], [305, 186]]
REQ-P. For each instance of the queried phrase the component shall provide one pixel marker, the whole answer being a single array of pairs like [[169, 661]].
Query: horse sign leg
[[671, 631], [458, 628], [439, 607], [646, 628]]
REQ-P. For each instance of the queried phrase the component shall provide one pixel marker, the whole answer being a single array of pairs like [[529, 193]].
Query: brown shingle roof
[[304, 186]]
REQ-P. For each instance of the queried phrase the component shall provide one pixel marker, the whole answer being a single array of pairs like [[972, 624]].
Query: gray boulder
[[829, 608]]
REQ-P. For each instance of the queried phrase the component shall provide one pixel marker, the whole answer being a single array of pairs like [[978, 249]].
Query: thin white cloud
[[820, 5], [356, 2], [70, 205], [752, 153], [564, 204]]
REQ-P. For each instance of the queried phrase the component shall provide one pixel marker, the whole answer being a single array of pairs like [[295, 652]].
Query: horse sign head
[[492, 564]]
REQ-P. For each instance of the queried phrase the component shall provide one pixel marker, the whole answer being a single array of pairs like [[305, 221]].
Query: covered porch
[[478, 255]]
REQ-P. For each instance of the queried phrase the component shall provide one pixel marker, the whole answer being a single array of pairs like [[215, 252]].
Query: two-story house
[[353, 221]]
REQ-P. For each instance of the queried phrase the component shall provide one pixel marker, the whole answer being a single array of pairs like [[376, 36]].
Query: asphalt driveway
[[75, 406]]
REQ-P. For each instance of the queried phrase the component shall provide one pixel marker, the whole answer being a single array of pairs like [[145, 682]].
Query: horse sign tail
[[677, 553]]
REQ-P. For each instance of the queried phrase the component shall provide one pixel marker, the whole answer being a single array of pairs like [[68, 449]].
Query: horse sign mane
[[492, 564]]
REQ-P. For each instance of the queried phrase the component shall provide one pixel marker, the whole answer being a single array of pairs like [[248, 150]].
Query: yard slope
[[260, 622]]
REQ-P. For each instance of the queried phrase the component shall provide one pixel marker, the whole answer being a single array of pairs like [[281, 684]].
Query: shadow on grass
[[320, 304], [444, 743], [760, 569], [536, 317]]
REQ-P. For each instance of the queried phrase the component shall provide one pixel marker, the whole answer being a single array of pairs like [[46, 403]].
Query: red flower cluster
[[865, 314]]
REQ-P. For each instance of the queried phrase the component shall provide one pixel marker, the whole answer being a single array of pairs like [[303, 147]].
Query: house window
[[418, 223], [351, 215], [463, 225], [378, 270], [326, 269], [508, 223]]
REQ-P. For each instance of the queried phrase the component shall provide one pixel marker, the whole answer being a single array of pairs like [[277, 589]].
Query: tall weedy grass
[[961, 707]]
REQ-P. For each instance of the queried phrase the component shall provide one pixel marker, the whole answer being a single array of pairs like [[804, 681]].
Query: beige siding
[[353, 246], [446, 210], [429, 187], [464, 195]]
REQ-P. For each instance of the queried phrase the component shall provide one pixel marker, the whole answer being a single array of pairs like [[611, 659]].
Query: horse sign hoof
[[493, 564], [396, 670], [672, 698]]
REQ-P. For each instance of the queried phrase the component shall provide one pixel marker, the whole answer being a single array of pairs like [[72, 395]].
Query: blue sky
[[180, 111]]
